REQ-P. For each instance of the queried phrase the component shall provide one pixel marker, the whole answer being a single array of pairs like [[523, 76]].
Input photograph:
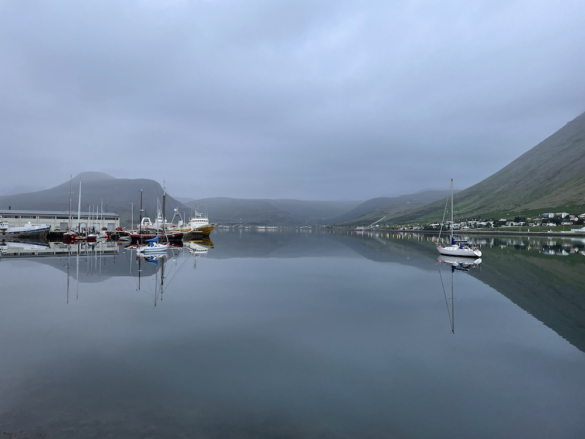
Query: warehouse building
[[60, 220]]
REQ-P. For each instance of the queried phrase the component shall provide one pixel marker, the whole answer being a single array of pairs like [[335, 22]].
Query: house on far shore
[[548, 215], [561, 214]]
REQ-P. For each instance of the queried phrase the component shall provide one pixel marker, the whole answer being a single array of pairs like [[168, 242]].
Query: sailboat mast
[[70, 186], [451, 209], [132, 216], [79, 209], [163, 208], [140, 227]]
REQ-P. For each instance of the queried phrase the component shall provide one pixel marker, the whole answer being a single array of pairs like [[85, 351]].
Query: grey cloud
[[316, 100]]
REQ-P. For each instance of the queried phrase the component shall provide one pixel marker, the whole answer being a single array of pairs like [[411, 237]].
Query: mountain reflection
[[542, 275]]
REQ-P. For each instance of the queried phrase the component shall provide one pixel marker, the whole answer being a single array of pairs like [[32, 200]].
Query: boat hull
[[460, 252], [155, 249], [206, 230], [24, 233], [139, 238]]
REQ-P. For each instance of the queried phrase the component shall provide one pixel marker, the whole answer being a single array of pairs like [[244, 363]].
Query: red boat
[[69, 237], [141, 237]]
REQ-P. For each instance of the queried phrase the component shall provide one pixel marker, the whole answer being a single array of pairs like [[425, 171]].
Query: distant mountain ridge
[[376, 208], [117, 195], [225, 210]]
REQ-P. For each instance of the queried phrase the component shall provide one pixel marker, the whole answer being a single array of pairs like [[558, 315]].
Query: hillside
[[376, 208], [270, 212], [548, 177], [116, 193]]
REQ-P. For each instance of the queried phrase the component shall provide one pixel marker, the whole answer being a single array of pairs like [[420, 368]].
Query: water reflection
[[294, 335], [84, 262], [459, 265]]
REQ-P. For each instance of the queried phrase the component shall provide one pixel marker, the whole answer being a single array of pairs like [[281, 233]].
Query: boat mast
[[163, 209], [70, 183], [451, 210], [132, 215], [140, 226], [79, 209]]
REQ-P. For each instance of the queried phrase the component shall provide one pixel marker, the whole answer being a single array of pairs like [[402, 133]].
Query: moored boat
[[200, 223], [153, 246], [459, 248], [29, 230]]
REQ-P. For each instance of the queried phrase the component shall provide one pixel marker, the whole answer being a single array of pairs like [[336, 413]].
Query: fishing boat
[[146, 233], [200, 223], [458, 247]]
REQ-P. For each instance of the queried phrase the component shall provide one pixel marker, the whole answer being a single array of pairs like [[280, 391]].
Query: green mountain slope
[[549, 177]]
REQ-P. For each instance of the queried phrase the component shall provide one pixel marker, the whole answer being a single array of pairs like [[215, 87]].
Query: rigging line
[[175, 273], [443, 221], [445, 295]]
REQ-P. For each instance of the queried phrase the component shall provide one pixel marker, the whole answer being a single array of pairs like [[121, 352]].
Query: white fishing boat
[[200, 223], [459, 248]]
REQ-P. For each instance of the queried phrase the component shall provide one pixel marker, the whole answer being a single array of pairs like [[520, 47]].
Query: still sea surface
[[294, 335]]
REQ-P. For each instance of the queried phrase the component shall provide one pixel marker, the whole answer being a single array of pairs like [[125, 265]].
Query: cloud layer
[[314, 100]]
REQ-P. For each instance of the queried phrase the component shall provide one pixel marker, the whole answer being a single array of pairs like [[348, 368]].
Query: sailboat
[[460, 248], [153, 246]]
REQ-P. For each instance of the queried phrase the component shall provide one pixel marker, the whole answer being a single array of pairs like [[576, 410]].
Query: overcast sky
[[299, 99]]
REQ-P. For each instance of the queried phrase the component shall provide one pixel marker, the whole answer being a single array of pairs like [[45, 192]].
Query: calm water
[[295, 335]]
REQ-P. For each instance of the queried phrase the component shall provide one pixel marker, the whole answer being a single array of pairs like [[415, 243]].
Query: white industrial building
[[60, 220]]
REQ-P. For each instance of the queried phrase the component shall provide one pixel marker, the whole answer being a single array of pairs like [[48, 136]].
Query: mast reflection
[[456, 264]]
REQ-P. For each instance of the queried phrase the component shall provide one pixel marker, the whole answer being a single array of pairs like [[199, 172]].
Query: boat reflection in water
[[166, 264], [456, 264], [89, 263]]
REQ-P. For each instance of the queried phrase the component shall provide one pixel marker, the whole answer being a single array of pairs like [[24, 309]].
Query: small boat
[[29, 230], [457, 247], [153, 247]]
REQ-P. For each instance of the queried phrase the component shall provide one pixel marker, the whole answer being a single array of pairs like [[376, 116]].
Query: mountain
[[376, 208], [21, 189], [270, 212], [550, 177], [116, 194]]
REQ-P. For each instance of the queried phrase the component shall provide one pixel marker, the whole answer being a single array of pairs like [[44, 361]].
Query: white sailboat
[[153, 246], [460, 248]]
